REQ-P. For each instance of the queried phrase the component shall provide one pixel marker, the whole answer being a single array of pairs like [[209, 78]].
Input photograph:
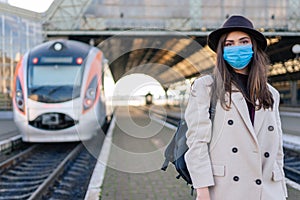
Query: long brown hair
[[257, 81]]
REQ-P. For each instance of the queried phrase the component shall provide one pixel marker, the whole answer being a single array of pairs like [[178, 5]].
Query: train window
[[54, 83], [55, 75]]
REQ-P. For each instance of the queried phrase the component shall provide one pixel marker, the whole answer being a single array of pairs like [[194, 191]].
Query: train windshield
[[54, 83]]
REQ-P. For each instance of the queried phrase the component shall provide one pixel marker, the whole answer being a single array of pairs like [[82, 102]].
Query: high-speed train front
[[58, 94]]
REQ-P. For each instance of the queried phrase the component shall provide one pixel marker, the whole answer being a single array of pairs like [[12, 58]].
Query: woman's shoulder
[[203, 80], [201, 84], [273, 90]]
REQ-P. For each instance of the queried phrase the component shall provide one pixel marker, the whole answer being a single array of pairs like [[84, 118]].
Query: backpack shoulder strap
[[213, 102]]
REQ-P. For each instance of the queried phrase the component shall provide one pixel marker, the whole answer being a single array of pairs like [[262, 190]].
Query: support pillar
[[167, 97], [294, 90]]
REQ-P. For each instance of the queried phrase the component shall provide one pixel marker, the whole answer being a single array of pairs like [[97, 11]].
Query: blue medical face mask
[[238, 57]]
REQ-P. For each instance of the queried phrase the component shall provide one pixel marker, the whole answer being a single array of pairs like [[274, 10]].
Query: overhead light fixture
[[296, 49]]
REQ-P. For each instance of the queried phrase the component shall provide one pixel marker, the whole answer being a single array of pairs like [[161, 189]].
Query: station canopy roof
[[171, 45]]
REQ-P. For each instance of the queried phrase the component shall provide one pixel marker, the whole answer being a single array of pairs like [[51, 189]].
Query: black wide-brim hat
[[236, 23]]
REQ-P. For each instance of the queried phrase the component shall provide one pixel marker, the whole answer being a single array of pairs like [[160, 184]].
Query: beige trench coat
[[238, 160]]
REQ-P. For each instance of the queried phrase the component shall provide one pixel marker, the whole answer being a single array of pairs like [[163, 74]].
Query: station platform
[[8, 129], [9, 135], [134, 159]]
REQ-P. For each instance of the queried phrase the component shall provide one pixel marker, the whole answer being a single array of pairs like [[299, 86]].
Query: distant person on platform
[[238, 156]]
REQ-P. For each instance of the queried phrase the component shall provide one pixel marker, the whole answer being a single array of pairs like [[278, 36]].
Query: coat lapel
[[241, 105], [259, 119]]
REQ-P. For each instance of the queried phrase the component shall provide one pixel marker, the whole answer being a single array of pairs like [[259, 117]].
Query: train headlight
[[79, 60], [20, 104], [90, 94], [19, 93], [87, 103], [58, 46], [19, 97]]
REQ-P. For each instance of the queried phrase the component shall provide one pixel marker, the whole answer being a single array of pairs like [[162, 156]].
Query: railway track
[[292, 164], [47, 171], [162, 115], [8, 150]]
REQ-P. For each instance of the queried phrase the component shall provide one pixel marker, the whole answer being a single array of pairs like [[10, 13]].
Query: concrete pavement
[[133, 171], [123, 183], [7, 126]]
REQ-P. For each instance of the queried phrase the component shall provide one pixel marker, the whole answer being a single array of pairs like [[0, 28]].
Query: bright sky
[[138, 84], [33, 5]]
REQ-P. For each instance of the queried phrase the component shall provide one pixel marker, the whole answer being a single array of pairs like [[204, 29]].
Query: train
[[59, 94]]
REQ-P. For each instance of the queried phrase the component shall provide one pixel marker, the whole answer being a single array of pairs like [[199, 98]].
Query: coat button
[[267, 155], [230, 122], [258, 181], [234, 150], [271, 128], [236, 178]]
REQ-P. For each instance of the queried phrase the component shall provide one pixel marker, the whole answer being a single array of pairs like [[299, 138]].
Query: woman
[[240, 157]]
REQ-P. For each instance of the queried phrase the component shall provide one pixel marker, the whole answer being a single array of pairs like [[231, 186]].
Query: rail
[[292, 164], [33, 173]]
